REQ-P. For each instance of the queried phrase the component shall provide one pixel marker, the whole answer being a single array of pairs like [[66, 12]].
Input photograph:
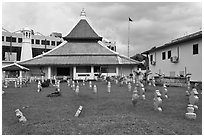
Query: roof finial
[[83, 14]]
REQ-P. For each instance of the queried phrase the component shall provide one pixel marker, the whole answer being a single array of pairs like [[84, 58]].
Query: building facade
[[15, 46], [178, 57]]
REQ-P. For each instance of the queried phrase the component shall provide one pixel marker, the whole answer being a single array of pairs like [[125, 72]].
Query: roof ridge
[[9, 65], [123, 56], [41, 55], [102, 44], [85, 54]]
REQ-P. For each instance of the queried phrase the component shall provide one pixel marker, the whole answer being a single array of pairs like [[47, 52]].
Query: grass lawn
[[102, 113]]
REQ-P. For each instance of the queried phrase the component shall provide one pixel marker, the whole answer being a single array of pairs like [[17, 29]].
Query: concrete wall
[[188, 63], [171, 81]]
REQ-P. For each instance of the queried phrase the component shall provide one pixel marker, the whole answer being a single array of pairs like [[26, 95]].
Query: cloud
[[154, 24]]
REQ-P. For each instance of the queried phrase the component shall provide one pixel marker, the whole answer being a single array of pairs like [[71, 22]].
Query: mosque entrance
[[63, 71]]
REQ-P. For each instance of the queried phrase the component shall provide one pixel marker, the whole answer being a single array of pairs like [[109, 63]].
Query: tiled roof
[[81, 48], [126, 60], [79, 60], [82, 31], [79, 54], [72, 60]]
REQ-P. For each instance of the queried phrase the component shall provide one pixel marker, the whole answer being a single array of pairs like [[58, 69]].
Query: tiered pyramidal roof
[[82, 46]]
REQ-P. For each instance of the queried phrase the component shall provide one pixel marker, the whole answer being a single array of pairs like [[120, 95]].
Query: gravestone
[[94, 89], [190, 112], [193, 98], [109, 87], [157, 101], [78, 111], [135, 96]]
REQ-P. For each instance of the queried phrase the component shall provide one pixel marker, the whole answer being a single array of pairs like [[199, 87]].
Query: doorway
[[63, 71]]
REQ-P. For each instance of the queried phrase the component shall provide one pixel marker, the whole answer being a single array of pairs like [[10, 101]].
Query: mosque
[[82, 54]]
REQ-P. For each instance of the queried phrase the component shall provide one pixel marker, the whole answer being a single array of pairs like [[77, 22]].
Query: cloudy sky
[[154, 24]]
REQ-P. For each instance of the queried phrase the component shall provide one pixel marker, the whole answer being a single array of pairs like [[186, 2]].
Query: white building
[[25, 44], [178, 57]]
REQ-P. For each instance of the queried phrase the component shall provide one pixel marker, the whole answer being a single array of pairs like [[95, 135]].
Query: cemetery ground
[[103, 113]]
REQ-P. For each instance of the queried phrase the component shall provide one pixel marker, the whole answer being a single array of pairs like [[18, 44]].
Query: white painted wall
[[192, 63], [125, 70]]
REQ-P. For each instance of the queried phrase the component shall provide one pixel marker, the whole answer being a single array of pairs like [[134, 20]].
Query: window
[[20, 40], [2, 38], [8, 39], [108, 69], [32, 41], [169, 54], [163, 55], [53, 43], [151, 58], [96, 69], [13, 39], [58, 42], [195, 49], [47, 42], [42, 42], [37, 41], [10, 56]]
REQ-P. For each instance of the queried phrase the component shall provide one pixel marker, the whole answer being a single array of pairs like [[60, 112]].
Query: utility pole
[[128, 38], [11, 38]]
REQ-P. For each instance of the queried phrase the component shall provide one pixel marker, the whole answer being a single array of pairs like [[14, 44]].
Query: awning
[[14, 67]]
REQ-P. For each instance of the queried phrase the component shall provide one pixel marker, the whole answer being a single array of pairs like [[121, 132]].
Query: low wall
[[171, 81]]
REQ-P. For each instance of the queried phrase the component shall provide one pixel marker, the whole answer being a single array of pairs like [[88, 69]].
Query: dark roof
[[82, 31], [73, 60], [176, 41], [81, 48]]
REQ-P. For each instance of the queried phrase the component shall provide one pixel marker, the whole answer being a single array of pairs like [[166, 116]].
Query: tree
[[138, 57]]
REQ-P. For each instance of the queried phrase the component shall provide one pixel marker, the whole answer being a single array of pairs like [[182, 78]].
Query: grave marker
[[94, 89], [90, 85], [129, 87], [164, 91], [109, 87], [193, 98], [58, 86], [77, 90], [135, 96], [157, 101], [142, 91], [190, 112], [78, 111], [39, 86]]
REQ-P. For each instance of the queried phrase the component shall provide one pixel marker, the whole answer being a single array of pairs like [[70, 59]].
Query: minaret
[[26, 49]]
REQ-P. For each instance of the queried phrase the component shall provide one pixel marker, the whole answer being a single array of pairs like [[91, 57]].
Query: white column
[[20, 74], [117, 70], [49, 72], [92, 72], [21, 77], [74, 72]]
